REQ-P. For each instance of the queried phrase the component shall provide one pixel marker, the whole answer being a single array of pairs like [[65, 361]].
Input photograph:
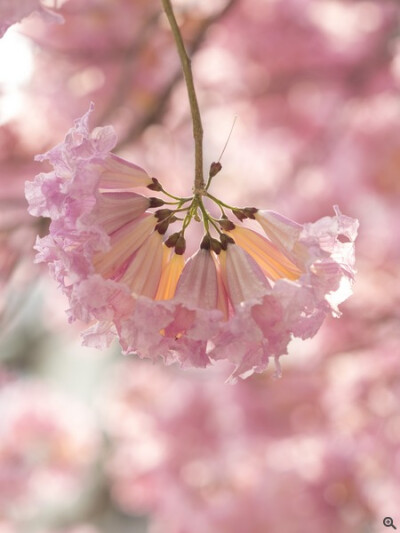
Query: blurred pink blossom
[[12, 11], [10, 527], [307, 455], [48, 445]]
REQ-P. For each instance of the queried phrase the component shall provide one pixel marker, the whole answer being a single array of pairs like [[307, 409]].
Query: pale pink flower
[[240, 297], [12, 11]]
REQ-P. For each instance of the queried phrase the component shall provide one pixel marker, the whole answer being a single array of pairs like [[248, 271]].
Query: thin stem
[[194, 106], [208, 182], [212, 220], [219, 202], [223, 214], [173, 203], [205, 217], [183, 200]]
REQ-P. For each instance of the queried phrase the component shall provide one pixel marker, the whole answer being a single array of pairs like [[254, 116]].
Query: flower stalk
[[194, 106]]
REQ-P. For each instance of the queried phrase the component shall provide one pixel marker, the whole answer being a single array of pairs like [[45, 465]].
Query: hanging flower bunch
[[119, 256]]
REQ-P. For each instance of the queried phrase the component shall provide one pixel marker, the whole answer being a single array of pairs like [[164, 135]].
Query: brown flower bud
[[206, 242], [180, 245], [155, 186], [162, 214], [155, 202], [162, 226], [171, 241], [225, 240], [250, 212], [226, 224], [240, 214], [214, 169], [216, 246]]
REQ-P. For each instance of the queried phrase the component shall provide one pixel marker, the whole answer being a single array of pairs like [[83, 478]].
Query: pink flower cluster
[[242, 296]]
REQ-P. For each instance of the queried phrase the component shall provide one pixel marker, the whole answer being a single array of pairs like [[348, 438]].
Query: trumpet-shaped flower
[[242, 296], [181, 327]]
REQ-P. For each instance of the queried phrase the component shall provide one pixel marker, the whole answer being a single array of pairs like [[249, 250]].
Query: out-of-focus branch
[[157, 111], [123, 85]]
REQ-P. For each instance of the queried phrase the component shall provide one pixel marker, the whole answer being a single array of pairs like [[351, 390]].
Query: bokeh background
[[95, 442]]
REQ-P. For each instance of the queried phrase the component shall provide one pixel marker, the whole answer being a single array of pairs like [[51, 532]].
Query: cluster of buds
[[196, 210]]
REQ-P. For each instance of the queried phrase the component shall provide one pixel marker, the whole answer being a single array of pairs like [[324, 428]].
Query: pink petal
[[115, 209], [281, 230], [242, 276], [169, 277], [97, 298], [197, 286], [143, 273], [274, 264], [123, 244], [117, 173]]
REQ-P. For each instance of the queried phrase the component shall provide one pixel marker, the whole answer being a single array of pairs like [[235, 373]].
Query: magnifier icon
[[388, 522]]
